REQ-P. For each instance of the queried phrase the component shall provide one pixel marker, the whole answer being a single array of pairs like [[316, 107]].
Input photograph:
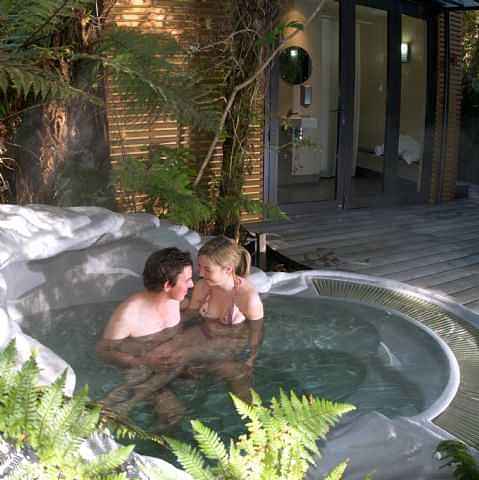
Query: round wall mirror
[[294, 65]]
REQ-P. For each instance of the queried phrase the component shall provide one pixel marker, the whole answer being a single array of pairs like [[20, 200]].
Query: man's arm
[[105, 349]]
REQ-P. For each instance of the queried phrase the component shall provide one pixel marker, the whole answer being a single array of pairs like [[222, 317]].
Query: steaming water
[[343, 351]]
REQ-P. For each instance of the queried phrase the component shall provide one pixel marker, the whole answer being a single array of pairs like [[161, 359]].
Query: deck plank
[[459, 285], [431, 281], [429, 246]]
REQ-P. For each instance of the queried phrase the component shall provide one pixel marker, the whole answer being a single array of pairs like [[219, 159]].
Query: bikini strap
[[237, 283]]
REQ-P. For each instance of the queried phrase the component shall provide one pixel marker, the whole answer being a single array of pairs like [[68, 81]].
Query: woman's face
[[213, 273]]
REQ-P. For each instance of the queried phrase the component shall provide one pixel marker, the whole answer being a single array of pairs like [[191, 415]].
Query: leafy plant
[[167, 181], [229, 208], [144, 67], [27, 60], [52, 425], [280, 442], [457, 455]]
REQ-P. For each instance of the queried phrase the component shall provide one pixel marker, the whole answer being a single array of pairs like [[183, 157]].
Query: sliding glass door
[[307, 107], [390, 115], [348, 109]]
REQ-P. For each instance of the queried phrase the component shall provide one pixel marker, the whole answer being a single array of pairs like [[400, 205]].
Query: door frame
[[344, 153]]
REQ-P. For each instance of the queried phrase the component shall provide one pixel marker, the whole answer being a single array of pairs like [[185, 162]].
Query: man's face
[[184, 282]]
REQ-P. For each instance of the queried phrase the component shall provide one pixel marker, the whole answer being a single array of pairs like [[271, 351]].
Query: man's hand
[[158, 359]]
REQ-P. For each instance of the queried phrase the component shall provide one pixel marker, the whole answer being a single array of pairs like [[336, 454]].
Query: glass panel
[[370, 98], [413, 102], [307, 106]]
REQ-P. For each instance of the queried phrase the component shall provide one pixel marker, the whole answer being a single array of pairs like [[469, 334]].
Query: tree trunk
[[41, 147], [63, 156], [61, 148]]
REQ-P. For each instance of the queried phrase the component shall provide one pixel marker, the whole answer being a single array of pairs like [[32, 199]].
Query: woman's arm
[[254, 313], [192, 308], [256, 333]]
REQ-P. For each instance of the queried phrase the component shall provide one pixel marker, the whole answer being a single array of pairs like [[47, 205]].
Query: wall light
[[293, 52], [405, 52]]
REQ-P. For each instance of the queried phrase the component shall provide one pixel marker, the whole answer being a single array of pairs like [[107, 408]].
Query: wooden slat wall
[[450, 161], [190, 21]]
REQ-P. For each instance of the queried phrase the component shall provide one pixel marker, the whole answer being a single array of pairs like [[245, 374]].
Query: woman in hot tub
[[230, 315]]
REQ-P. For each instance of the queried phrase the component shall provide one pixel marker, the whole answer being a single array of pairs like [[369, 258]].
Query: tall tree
[[52, 70]]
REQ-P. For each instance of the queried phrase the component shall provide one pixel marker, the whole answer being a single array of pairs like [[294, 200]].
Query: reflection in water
[[330, 348]]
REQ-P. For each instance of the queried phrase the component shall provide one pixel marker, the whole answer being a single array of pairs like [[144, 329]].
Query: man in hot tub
[[144, 335], [140, 324]]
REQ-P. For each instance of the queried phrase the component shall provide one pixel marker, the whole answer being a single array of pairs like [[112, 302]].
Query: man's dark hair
[[164, 266]]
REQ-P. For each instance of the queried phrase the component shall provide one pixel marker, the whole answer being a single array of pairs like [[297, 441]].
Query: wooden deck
[[428, 246]]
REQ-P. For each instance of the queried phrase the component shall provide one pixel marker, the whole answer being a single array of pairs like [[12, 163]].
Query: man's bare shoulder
[[124, 317]]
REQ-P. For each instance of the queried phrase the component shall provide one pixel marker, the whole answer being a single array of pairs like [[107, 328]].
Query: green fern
[[103, 465], [337, 472], [457, 455], [167, 181], [53, 425], [209, 442], [26, 57], [192, 460], [280, 442]]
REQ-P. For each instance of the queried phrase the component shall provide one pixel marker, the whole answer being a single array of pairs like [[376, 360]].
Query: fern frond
[[191, 460], [105, 463], [236, 467], [22, 401], [313, 416], [251, 412], [209, 442], [65, 431], [8, 373], [121, 427], [85, 426], [457, 455], [8, 355], [48, 407], [337, 472]]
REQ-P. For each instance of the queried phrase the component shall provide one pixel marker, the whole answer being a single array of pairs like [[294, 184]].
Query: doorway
[[348, 108], [307, 108]]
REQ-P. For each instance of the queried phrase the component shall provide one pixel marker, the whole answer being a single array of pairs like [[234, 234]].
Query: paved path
[[428, 246]]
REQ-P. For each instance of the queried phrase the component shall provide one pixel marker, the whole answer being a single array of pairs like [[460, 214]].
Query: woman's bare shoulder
[[200, 291], [201, 286], [249, 301], [246, 288]]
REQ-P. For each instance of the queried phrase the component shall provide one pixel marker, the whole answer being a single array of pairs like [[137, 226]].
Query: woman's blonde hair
[[224, 251]]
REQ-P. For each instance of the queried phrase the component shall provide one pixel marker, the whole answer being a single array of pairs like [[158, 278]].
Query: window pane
[[307, 106], [413, 101], [371, 90]]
